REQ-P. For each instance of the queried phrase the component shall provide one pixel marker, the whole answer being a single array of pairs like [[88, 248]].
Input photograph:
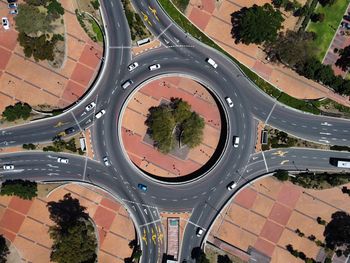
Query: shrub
[[281, 175], [22, 188], [95, 4], [18, 111]]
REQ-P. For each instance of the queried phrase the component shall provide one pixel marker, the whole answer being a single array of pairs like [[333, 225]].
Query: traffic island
[[181, 162]]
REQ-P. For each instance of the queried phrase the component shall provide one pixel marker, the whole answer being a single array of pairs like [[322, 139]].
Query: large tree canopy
[[291, 48], [4, 250], [22, 188], [337, 232], [174, 121], [256, 24]]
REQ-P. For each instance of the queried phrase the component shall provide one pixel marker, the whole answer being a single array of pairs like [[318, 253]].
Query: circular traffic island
[[173, 129]]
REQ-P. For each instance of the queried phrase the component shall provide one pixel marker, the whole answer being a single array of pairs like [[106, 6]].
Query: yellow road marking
[[145, 17], [144, 237], [280, 153], [59, 124], [154, 12], [154, 236], [284, 161], [160, 235]]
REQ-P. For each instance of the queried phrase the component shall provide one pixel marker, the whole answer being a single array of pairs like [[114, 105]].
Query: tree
[[174, 120], [198, 254], [161, 124], [22, 188], [192, 130], [77, 244], [224, 259], [256, 24], [291, 48], [31, 21], [343, 61], [37, 2], [17, 111], [317, 17], [281, 175], [66, 211], [337, 231], [4, 250], [55, 9], [38, 47], [326, 2]]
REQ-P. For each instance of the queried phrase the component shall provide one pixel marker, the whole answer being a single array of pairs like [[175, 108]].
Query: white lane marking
[[263, 155], [268, 116], [326, 124], [150, 223], [161, 33], [325, 133], [324, 141]]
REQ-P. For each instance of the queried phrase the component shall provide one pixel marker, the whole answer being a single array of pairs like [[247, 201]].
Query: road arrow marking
[[280, 153], [144, 237], [145, 210], [326, 124], [154, 236], [284, 161], [325, 133]]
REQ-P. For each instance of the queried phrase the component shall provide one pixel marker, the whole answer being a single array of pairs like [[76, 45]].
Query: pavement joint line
[[268, 116], [120, 47], [263, 155], [150, 223]]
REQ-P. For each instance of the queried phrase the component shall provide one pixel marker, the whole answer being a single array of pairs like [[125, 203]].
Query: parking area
[[341, 40]]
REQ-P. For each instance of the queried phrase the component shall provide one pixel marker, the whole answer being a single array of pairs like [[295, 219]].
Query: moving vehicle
[[154, 67], [69, 130], [341, 163], [199, 231], [229, 102], [212, 62], [90, 106], [142, 187], [127, 84], [235, 141], [132, 66], [5, 23], [8, 167], [345, 25], [231, 185], [106, 161], [100, 114], [62, 160]]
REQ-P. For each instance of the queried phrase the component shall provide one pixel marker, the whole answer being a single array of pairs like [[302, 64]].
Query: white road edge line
[[268, 116]]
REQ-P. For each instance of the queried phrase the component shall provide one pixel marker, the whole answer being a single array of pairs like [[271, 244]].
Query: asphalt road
[[179, 54]]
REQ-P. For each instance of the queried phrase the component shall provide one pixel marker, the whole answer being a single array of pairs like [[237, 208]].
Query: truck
[[341, 163]]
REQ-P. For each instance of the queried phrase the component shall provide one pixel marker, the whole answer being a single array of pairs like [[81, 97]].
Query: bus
[[341, 163]]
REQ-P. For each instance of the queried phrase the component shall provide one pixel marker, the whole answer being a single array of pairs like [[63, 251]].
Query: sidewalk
[[209, 15]]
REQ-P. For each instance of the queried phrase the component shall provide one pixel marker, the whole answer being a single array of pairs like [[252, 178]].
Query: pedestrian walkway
[[37, 83]]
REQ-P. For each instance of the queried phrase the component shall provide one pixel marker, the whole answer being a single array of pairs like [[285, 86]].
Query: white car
[[199, 231], [8, 167], [100, 114], [229, 102], [132, 66], [212, 62], [231, 186], [235, 141], [62, 160], [5, 23], [90, 106], [106, 161], [154, 67]]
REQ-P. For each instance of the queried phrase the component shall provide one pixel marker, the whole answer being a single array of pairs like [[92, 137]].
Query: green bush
[[281, 175], [30, 20], [38, 47], [55, 8], [29, 146], [95, 4], [22, 188], [18, 111]]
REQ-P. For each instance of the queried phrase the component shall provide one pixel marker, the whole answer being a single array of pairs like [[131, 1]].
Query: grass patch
[[326, 29], [45, 189], [181, 4], [184, 23], [97, 30], [320, 180]]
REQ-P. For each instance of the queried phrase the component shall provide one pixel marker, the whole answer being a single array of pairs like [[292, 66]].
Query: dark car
[[142, 187], [345, 25], [69, 130], [11, 1], [347, 18]]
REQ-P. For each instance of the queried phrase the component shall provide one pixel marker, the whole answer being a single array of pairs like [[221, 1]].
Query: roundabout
[[182, 163], [203, 197]]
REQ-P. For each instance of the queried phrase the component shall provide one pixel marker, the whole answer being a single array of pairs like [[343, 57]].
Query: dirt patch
[[213, 253], [45, 189]]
